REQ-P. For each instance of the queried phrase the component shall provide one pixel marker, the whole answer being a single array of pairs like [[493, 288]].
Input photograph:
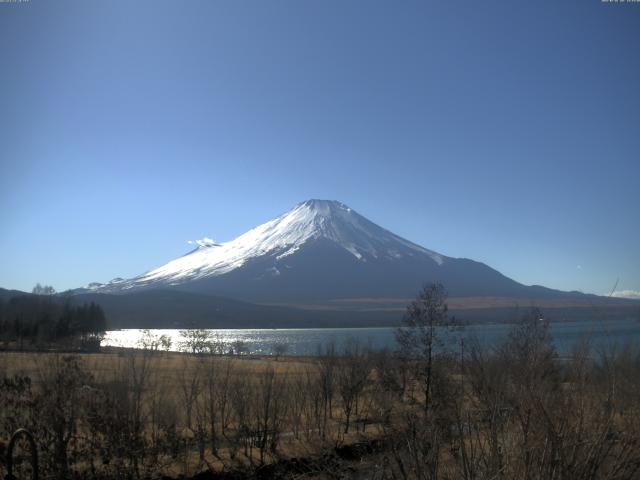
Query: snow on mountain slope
[[280, 237]]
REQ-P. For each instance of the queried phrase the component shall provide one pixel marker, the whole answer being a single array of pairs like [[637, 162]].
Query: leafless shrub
[[279, 349], [196, 340], [59, 407], [327, 365], [352, 374]]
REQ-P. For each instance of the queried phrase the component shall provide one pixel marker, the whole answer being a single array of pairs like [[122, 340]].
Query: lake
[[307, 341]]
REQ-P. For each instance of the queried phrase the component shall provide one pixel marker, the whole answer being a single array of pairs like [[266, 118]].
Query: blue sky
[[506, 132]]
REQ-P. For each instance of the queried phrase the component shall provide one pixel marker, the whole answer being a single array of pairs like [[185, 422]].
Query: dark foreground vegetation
[[426, 411]]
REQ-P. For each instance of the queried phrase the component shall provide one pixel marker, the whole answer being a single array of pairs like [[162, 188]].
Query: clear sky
[[507, 132]]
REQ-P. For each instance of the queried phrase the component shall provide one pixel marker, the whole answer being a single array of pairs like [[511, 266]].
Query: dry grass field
[[517, 411], [172, 365], [174, 401]]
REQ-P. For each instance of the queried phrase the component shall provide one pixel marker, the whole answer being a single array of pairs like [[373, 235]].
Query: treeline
[[433, 409], [41, 320]]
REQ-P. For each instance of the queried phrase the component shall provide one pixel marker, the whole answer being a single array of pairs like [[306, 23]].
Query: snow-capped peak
[[283, 236]]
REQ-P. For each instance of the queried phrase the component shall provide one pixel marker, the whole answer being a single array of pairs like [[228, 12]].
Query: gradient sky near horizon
[[506, 132]]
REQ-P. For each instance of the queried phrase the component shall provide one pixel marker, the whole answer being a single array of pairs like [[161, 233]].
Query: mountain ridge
[[280, 237], [317, 251]]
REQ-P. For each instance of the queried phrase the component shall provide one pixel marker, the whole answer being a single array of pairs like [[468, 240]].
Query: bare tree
[[190, 388], [419, 337], [352, 375], [43, 290], [58, 404], [195, 340], [270, 411], [327, 362], [279, 349], [153, 342]]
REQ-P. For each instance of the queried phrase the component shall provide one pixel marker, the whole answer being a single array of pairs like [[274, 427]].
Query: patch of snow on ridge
[[204, 242]]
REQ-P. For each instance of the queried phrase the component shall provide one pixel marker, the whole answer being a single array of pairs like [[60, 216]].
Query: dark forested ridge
[[177, 309], [36, 320]]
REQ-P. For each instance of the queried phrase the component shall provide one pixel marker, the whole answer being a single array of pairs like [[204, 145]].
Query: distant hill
[[176, 309], [7, 294]]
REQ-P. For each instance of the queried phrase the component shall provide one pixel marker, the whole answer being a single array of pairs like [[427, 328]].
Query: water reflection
[[309, 341]]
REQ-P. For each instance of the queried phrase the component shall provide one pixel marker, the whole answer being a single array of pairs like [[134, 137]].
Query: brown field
[[172, 365], [518, 412], [183, 385], [470, 303]]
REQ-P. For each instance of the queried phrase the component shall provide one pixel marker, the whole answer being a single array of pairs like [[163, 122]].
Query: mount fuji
[[320, 251]]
